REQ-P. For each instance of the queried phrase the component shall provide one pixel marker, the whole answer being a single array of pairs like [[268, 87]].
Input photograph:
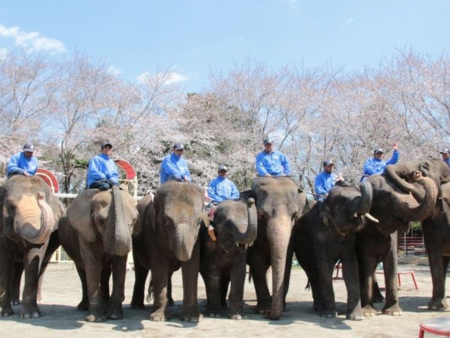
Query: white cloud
[[32, 41], [167, 78], [349, 21], [114, 71]]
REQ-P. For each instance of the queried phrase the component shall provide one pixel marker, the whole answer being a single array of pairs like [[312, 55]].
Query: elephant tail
[[308, 285]]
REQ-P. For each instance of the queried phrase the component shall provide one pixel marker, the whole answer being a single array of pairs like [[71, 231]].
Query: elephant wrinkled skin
[[96, 234], [321, 237], [171, 224], [30, 214], [224, 260], [279, 202]]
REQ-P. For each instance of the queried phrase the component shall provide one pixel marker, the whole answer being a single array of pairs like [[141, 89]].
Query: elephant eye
[[11, 208]]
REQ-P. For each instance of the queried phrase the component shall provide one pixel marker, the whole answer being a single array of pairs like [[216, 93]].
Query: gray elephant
[[225, 259], [325, 235], [279, 202], [377, 242], [436, 227], [170, 240], [96, 234], [30, 214]]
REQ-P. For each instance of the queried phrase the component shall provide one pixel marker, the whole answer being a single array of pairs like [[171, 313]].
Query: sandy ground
[[62, 292]]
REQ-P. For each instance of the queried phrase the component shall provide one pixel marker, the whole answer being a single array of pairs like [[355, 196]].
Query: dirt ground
[[62, 292]]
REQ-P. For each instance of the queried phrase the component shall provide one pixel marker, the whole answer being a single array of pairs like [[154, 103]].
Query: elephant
[[96, 234], [171, 223], [377, 242], [279, 202], [224, 260], [436, 227], [30, 215], [322, 236]]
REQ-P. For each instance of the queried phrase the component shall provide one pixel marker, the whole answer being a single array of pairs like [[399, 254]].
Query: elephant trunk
[[278, 232], [366, 198], [120, 244], [395, 173], [250, 234], [35, 221], [408, 208], [183, 242]]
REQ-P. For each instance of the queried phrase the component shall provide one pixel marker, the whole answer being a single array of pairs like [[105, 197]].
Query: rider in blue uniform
[[221, 188], [376, 164], [102, 171], [446, 156], [23, 163], [270, 162], [174, 167]]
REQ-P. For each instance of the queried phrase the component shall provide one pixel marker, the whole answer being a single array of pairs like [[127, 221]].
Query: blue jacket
[[19, 162], [274, 163], [101, 167], [174, 167], [374, 166], [447, 161], [323, 184], [222, 189]]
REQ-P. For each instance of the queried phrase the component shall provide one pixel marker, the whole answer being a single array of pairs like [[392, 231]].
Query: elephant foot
[[15, 301], [192, 318], [83, 306], [24, 314], [355, 315], [6, 311], [393, 310], [213, 314], [328, 313], [237, 316], [158, 316], [437, 304], [170, 301], [137, 305], [115, 311], [95, 317], [263, 307], [273, 315], [369, 311]]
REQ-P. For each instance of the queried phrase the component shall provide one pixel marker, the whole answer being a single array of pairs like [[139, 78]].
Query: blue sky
[[194, 36]]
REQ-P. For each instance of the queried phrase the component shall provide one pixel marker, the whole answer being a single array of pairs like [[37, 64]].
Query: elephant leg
[[32, 264], [93, 269], [84, 304], [391, 306], [6, 262], [326, 268], [119, 270], [350, 273], [237, 288], [213, 286], [190, 270], [258, 270], [367, 271], [438, 268], [140, 274], [159, 281], [224, 284], [169, 289], [15, 281], [104, 285]]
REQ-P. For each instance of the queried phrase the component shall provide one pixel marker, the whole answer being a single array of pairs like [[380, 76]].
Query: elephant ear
[[325, 214], [79, 214]]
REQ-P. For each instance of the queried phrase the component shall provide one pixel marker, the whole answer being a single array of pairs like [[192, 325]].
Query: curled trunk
[[408, 208], [250, 235], [397, 173]]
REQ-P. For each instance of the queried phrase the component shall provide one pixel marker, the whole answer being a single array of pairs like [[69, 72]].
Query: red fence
[[411, 244]]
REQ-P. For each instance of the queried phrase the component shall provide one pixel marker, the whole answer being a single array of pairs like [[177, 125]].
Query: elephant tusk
[[237, 244], [246, 246], [373, 219]]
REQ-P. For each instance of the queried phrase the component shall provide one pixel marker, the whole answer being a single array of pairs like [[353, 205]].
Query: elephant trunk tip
[[251, 201]]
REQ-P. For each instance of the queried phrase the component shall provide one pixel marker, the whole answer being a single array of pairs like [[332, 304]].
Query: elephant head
[[279, 202], [236, 223], [109, 216], [179, 212], [30, 211], [346, 207]]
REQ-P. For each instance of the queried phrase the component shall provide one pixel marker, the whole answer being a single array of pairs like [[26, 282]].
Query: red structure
[[49, 178]]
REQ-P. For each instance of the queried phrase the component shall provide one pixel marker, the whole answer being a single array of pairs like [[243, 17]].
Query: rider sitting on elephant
[[325, 181], [174, 166], [23, 163], [376, 165], [270, 162], [446, 156], [102, 171], [220, 189]]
